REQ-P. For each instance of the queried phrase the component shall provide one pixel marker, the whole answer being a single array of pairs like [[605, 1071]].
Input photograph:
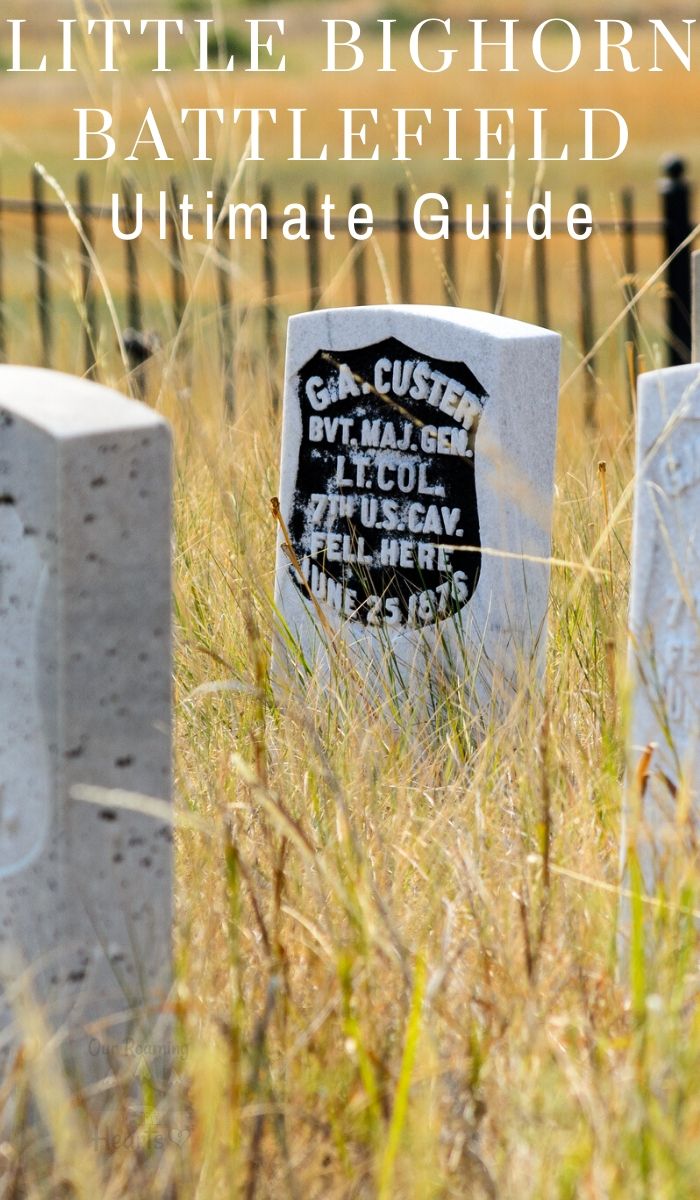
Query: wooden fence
[[672, 228]]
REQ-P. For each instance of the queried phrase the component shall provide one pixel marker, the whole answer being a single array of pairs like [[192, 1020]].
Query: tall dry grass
[[396, 953], [396, 962]]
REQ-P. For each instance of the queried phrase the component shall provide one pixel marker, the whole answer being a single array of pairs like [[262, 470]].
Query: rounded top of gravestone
[[680, 376], [65, 406], [479, 322]]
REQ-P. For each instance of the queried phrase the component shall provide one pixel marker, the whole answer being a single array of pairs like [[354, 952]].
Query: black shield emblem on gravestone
[[384, 521]]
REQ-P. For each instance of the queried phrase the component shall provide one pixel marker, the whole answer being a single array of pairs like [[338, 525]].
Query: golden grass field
[[396, 947]]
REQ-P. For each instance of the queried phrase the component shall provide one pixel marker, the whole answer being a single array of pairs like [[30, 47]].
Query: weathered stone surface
[[416, 489], [665, 614], [85, 700]]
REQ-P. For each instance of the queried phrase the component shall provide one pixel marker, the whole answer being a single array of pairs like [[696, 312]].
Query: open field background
[[396, 943]]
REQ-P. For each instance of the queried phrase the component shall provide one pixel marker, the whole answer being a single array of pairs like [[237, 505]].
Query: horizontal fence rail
[[672, 228]]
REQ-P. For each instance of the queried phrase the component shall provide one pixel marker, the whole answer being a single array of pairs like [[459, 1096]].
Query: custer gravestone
[[416, 495], [85, 683], [664, 744]]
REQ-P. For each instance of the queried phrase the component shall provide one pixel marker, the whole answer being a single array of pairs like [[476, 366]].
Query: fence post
[[586, 321], [270, 282], [403, 228], [313, 244], [541, 279], [675, 192], [359, 267], [223, 277], [134, 313], [449, 259], [134, 341], [89, 309], [177, 266], [495, 252], [629, 259], [42, 267]]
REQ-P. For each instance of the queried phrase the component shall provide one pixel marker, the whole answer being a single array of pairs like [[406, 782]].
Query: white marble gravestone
[[664, 744], [85, 683], [416, 491]]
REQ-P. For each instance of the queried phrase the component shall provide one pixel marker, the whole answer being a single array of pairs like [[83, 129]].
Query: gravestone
[[85, 681], [664, 745], [415, 497]]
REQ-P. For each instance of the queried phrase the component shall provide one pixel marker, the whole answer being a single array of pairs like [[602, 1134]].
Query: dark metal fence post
[[134, 341], [403, 229], [629, 259], [313, 245], [270, 283], [675, 209], [541, 276], [177, 266], [42, 266], [586, 321], [89, 308], [134, 313], [495, 251], [449, 259], [359, 266]]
